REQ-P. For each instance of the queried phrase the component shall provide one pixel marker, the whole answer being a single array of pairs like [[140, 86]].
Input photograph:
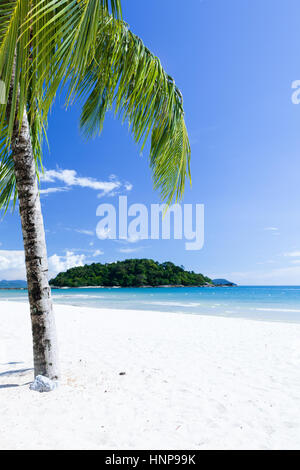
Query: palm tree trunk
[[41, 310]]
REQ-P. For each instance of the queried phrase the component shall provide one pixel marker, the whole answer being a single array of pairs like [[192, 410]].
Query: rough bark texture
[[42, 318]]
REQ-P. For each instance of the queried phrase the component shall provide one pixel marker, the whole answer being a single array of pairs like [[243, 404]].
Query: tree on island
[[88, 50], [129, 273]]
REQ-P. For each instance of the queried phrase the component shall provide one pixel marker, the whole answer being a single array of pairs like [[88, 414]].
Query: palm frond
[[118, 70], [104, 64], [8, 193], [84, 46], [30, 33], [125, 74]]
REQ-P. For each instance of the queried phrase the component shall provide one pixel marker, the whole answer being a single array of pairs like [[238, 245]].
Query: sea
[[265, 303]]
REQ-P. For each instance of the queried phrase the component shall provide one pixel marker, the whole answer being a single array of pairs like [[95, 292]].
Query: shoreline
[[101, 309], [110, 287], [190, 381], [155, 312], [122, 287]]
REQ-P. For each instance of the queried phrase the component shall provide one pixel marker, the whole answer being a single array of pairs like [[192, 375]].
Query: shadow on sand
[[10, 373]]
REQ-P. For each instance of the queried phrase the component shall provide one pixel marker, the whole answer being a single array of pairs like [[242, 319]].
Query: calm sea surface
[[260, 303]]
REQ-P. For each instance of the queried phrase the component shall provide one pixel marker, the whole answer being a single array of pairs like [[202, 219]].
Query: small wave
[[78, 296], [277, 310], [175, 304], [6, 299]]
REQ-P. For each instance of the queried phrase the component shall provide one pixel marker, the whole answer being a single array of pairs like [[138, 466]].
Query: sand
[[191, 382]]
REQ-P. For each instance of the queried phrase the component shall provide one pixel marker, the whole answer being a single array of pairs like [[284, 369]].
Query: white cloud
[[12, 262], [103, 233], [97, 253], [128, 186], [85, 232], [70, 178], [103, 194], [54, 190], [12, 265], [287, 275], [272, 230], [133, 239], [129, 250], [293, 254], [62, 263]]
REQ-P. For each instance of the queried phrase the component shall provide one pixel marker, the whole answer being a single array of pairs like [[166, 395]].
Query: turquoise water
[[260, 303]]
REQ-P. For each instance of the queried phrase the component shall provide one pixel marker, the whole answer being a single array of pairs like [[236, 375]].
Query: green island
[[129, 273]]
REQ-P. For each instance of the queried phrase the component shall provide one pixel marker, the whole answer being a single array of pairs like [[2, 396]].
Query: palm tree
[[84, 48]]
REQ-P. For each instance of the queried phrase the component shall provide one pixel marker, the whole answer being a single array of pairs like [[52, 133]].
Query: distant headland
[[13, 285], [223, 283]]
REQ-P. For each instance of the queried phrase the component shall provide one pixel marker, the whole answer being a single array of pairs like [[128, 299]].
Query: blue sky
[[235, 62]]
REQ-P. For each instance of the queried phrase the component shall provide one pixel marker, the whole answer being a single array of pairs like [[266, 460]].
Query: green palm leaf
[[8, 193], [124, 73], [46, 46]]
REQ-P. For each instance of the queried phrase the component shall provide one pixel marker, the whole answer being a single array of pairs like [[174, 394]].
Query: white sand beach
[[191, 382]]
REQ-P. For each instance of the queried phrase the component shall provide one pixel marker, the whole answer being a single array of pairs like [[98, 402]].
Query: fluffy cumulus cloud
[[12, 264], [62, 263]]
